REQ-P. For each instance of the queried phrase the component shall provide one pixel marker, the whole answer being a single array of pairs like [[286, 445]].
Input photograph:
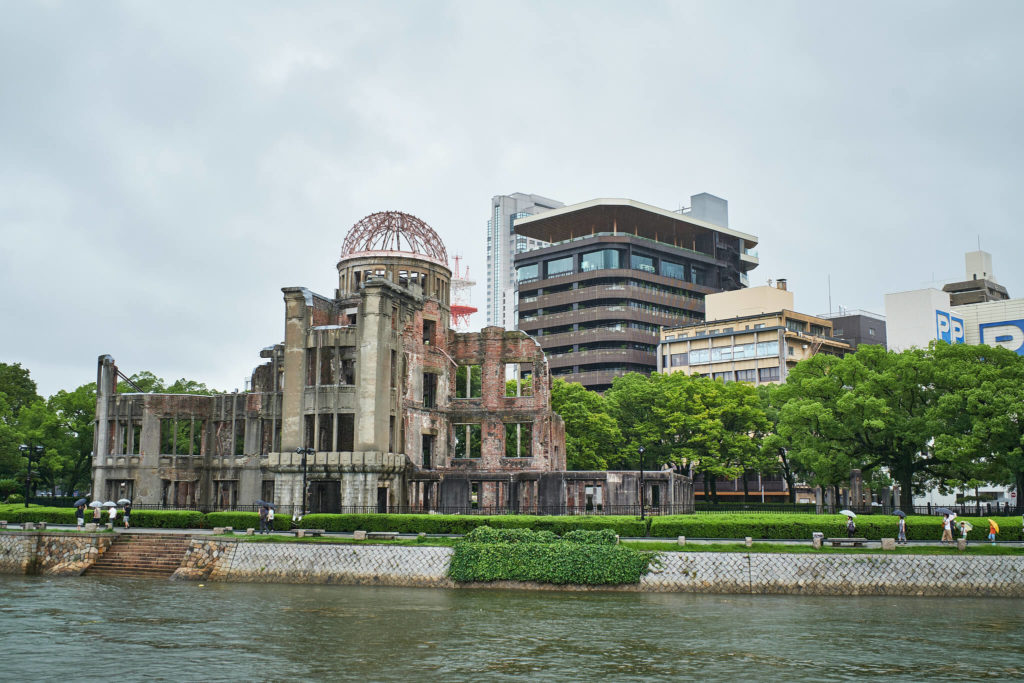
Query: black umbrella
[[266, 504], [80, 501], [899, 513], [944, 511]]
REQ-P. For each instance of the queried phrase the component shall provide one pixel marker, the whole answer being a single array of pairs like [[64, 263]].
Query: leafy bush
[[15, 498], [797, 526], [601, 537], [240, 521], [560, 562], [166, 519], [9, 486]]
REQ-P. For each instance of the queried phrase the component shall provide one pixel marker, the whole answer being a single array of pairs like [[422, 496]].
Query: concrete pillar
[[106, 386], [297, 302], [373, 371]]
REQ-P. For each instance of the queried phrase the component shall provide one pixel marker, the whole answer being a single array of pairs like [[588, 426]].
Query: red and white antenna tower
[[461, 289]]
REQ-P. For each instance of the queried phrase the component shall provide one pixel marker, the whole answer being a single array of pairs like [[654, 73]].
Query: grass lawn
[[279, 538]]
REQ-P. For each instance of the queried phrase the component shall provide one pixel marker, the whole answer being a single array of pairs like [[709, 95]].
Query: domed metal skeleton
[[394, 231]]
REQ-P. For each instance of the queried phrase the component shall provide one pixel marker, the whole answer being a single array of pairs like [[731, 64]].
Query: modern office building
[[857, 327], [615, 271], [502, 245], [751, 335]]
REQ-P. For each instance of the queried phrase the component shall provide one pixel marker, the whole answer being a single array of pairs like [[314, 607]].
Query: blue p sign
[[1008, 334], [949, 328]]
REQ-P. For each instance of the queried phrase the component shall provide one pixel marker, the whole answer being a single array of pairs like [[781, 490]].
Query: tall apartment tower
[[502, 246]]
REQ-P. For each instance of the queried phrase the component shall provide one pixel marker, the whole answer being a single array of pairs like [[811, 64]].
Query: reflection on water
[[134, 629]]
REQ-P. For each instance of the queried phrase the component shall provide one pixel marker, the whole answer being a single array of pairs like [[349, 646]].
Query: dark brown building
[[614, 273]]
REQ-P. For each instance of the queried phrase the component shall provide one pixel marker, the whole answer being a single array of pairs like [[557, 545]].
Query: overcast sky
[[167, 167]]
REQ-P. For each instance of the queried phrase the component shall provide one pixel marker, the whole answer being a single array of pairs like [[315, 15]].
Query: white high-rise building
[[502, 246]]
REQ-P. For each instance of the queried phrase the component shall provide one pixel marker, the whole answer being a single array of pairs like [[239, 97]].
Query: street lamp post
[[304, 452], [29, 450], [641, 451]]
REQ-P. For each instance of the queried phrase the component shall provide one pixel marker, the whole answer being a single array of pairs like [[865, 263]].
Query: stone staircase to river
[[153, 556]]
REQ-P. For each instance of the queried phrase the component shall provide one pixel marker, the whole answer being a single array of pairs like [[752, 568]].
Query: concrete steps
[[142, 555]]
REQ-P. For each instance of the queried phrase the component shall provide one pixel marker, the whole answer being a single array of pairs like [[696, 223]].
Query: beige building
[[749, 335]]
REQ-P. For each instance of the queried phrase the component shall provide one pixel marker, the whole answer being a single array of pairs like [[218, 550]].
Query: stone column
[[297, 302]]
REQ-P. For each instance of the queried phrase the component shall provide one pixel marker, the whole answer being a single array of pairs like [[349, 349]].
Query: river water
[[105, 629]]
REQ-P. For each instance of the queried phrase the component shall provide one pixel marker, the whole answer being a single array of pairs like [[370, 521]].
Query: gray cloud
[[168, 167]]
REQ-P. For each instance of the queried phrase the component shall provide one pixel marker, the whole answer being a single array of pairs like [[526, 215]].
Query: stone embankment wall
[[49, 553], [228, 560], [791, 573], [381, 565]]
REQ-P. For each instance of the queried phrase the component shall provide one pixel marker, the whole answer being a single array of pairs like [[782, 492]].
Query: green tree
[[19, 387], [591, 435]]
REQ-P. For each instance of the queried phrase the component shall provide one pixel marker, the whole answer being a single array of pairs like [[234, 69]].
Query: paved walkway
[[689, 541]]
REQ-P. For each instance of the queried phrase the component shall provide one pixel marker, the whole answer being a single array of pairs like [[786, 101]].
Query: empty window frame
[[518, 439], [468, 382], [467, 440], [345, 423], [518, 379], [429, 390], [429, 331]]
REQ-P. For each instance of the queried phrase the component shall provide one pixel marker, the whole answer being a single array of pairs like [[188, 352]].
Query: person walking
[[993, 529], [80, 515], [96, 516], [963, 532], [901, 531], [947, 530], [270, 519], [263, 519], [127, 513], [113, 515], [851, 527]]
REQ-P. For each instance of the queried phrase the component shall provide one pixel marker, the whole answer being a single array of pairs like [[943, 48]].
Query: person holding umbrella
[[80, 512], [112, 511], [993, 529], [96, 505], [851, 526], [947, 529], [127, 510], [270, 519]]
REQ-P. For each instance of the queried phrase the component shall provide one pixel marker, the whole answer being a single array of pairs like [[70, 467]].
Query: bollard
[[359, 535], [961, 544], [748, 541], [816, 539], [888, 544], [681, 540], [616, 539], [250, 531], [28, 526]]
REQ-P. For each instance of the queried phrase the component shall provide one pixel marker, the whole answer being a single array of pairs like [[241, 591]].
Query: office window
[[527, 273], [792, 350], [769, 374], [676, 271], [644, 263], [746, 375], [562, 266], [724, 376], [599, 260], [678, 359], [871, 331]]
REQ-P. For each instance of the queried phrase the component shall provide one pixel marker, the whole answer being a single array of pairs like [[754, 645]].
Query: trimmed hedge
[[588, 558], [463, 524], [874, 527]]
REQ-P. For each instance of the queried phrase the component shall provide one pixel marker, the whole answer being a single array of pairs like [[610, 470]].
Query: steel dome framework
[[394, 232]]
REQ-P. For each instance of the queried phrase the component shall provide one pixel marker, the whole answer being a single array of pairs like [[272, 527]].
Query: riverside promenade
[[221, 558]]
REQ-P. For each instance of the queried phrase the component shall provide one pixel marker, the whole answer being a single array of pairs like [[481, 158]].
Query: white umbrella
[[95, 504], [110, 504], [123, 501], [848, 513]]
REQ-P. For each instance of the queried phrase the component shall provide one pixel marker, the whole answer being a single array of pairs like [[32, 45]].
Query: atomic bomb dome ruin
[[370, 403]]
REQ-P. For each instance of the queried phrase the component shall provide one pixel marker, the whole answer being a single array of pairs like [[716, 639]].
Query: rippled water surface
[[96, 629]]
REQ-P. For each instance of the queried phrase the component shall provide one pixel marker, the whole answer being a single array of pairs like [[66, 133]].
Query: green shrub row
[[245, 520], [486, 534], [797, 526], [559, 562], [463, 524]]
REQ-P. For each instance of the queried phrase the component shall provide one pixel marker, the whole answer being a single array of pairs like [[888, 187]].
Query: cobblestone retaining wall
[[228, 560], [51, 554], [382, 565], [941, 575]]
